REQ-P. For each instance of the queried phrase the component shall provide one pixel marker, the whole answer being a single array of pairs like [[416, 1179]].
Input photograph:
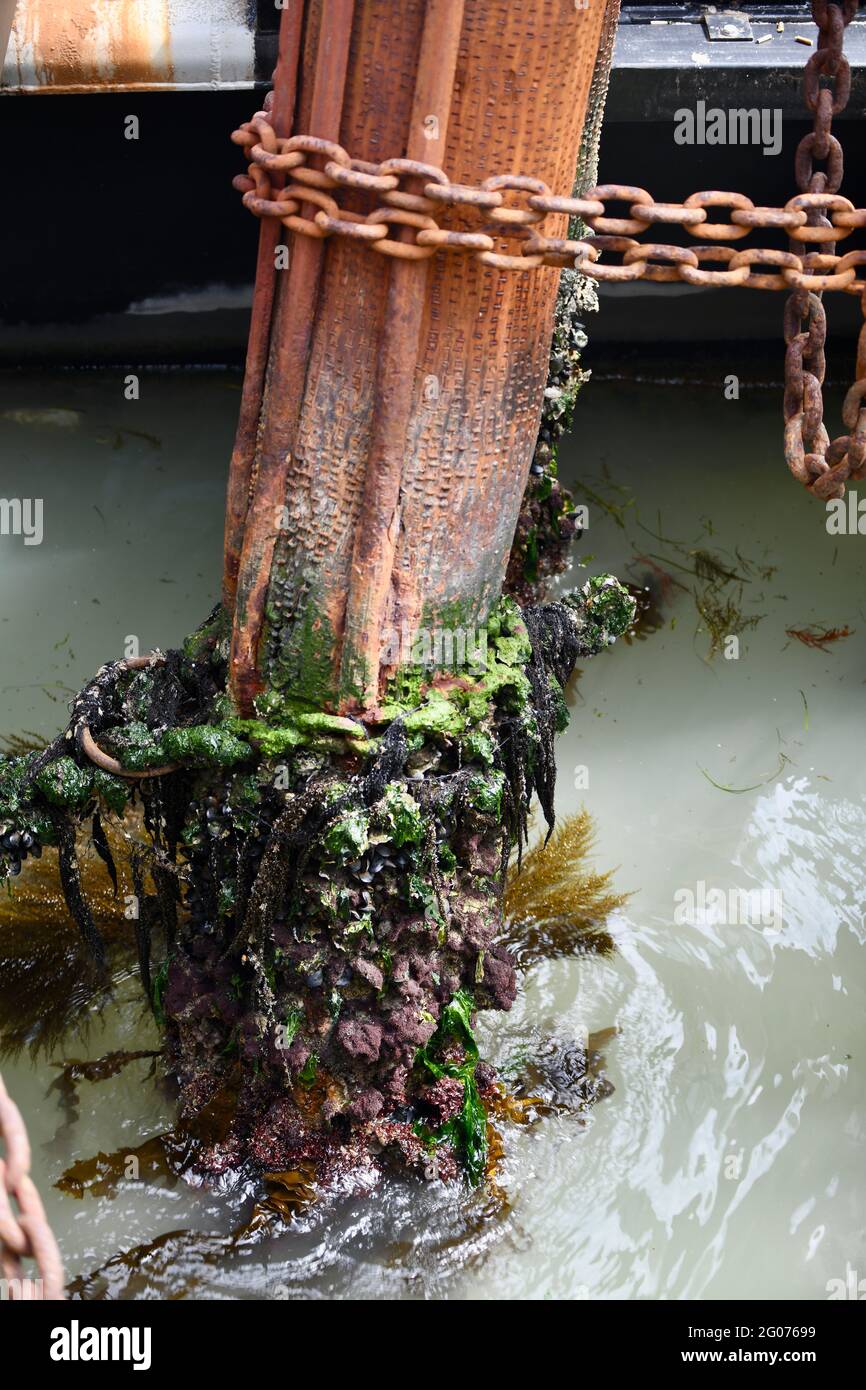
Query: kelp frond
[[556, 906]]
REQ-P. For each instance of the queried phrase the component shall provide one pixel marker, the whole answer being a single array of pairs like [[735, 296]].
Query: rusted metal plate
[[130, 45]]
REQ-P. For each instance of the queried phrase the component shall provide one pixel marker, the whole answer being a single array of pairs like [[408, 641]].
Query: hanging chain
[[822, 466], [498, 223]]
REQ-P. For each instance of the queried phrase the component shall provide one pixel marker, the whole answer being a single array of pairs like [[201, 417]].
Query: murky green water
[[729, 1162]]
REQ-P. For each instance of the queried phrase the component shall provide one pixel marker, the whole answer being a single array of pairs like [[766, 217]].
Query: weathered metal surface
[[815, 220], [280, 116], [663, 66], [129, 45], [726, 26], [295, 308], [359, 451], [378, 528]]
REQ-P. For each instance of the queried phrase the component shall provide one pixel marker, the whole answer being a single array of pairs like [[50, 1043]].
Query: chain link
[[311, 192], [25, 1233], [406, 193]]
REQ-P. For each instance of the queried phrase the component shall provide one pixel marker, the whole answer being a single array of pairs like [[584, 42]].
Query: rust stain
[[87, 44]]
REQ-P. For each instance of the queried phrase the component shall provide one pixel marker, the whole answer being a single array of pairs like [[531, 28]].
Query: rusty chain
[[498, 223], [25, 1233], [396, 205], [822, 465], [812, 270]]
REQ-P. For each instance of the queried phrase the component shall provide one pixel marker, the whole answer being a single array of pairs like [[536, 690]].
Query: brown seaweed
[[153, 1267], [818, 638], [555, 906]]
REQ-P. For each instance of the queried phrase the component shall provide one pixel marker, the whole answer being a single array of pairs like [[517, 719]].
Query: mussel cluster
[[15, 847]]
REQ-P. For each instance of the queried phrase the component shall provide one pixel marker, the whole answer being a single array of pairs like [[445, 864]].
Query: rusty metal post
[[280, 115], [295, 311], [378, 523], [403, 395]]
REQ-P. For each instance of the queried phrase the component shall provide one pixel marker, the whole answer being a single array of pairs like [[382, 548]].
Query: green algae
[[157, 992], [301, 658], [477, 747], [138, 749], [315, 730], [203, 745], [25, 799], [135, 747], [467, 1131], [485, 793], [456, 712], [272, 741], [14, 783], [307, 1075], [294, 1019], [64, 783], [212, 634], [401, 816], [321, 723], [422, 895], [349, 837], [112, 790], [605, 610]]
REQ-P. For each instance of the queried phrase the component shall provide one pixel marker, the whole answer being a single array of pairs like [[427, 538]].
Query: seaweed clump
[[451, 1058], [555, 906], [818, 638]]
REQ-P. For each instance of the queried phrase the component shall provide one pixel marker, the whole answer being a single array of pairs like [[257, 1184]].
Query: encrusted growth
[[327, 894], [548, 522]]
